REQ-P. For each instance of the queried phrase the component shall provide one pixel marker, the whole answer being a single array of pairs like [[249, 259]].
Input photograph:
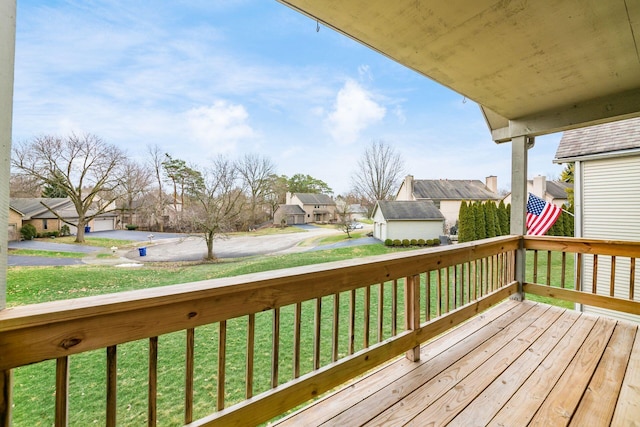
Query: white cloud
[[219, 126], [354, 111]]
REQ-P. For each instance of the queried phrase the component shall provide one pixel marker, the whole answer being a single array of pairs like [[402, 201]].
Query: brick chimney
[[492, 183]]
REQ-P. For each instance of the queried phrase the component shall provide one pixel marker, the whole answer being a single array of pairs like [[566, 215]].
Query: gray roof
[[558, 189], [605, 138], [314, 199], [452, 189], [409, 210], [291, 210], [33, 205]]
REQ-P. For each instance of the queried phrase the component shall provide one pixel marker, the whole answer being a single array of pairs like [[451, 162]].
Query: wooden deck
[[517, 364]]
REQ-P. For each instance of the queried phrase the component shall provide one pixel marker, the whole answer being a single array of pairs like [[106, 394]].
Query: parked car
[[355, 225]]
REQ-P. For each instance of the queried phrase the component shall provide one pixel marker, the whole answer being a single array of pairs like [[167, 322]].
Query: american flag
[[540, 215]]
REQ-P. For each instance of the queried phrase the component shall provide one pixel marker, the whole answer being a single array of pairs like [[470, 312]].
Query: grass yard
[[34, 385], [49, 254], [94, 241]]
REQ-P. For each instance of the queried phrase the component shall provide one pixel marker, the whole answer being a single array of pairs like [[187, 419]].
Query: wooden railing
[[246, 349], [595, 273]]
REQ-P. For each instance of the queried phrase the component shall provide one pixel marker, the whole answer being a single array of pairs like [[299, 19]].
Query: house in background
[[357, 211], [550, 191], [304, 208], [15, 223], [606, 194], [35, 212], [417, 219], [448, 194]]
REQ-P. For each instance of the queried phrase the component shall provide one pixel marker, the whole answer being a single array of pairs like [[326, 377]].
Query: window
[[44, 224], [437, 203]]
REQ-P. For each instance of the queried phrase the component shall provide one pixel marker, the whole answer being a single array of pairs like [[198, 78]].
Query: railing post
[[6, 387], [7, 59], [412, 311], [519, 147]]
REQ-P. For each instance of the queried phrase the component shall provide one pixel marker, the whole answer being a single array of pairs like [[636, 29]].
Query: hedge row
[[413, 242]]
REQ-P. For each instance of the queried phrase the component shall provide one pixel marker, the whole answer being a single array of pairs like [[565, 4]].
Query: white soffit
[[535, 67]]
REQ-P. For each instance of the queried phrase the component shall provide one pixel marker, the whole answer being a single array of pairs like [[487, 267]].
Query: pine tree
[[503, 218], [490, 218], [481, 227], [463, 222]]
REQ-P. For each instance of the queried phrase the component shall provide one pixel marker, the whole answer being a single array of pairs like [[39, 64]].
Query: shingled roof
[[558, 189], [605, 138], [314, 199], [33, 206], [409, 210], [452, 189]]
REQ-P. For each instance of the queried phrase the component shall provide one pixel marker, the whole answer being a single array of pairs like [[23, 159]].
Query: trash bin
[[87, 229], [142, 251]]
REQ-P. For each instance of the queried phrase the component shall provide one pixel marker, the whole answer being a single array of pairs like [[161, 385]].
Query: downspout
[[519, 147], [7, 60]]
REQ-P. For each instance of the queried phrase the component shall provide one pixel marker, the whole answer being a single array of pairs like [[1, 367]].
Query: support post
[[7, 55], [6, 388], [519, 147], [412, 311]]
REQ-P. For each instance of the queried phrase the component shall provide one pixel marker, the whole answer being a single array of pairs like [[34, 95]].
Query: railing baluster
[[474, 274], [62, 392], [578, 268], [380, 311], [222, 358], [336, 327], [439, 294], [251, 344], [456, 297], [612, 278], [316, 333], [594, 282], [548, 268], [564, 269], [190, 366], [6, 390], [152, 406], [352, 321], [483, 282], [112, 384], [427, 295], [447, 295], [296, 340], [367, 315], [535, 266], [632, 278], [394, 307], [275, 347]]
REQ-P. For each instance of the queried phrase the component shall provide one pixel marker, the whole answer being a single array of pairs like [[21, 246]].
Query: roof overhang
[[534, 67]]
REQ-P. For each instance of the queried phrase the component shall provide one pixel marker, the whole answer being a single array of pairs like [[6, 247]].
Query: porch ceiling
[[534, 67]]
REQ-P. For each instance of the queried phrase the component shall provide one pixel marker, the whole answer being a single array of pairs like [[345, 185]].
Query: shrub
[[406, 243], [397, 242], [414, 242], [131, 226], [388, 242], [65, 231], [28, 232], [421, 242], [430, 242], [436, 242]]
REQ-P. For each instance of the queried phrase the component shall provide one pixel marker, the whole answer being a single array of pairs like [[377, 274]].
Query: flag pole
[[568, 212]]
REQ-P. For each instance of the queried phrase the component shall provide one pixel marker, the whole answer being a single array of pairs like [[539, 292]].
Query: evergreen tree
[[463, 222], [509, 218], [503, 218], [481, 227], [568, 221], [489, 218]]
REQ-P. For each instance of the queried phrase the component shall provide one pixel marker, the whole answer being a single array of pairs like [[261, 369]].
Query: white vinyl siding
[[611, 210]]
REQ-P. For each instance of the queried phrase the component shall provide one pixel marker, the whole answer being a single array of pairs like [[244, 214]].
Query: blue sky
[[201, 78]]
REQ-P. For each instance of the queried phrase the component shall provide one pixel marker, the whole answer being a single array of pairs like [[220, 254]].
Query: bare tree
[[84, 166], [343, 210], [220, 200], [379, 172], [135, 181], [23, 185], [156, 157], [256, 172]]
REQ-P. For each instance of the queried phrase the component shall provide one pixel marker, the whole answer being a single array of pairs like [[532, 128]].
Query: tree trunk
[[80, 231], [209, 240]]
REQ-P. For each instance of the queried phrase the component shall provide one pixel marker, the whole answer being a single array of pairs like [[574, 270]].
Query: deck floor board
[[515, 364]]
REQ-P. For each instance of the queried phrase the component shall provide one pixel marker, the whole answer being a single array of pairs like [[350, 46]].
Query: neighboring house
[[318, 208], [407, 220], [15, 223], [606, 193], [36, 213], [551, 191], [357, 211], [448, 194]]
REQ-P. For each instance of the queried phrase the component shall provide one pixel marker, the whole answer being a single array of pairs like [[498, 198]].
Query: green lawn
[[34, 385], [49, 254]]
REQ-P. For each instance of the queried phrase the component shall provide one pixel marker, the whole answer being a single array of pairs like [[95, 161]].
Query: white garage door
[[102, 224]]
